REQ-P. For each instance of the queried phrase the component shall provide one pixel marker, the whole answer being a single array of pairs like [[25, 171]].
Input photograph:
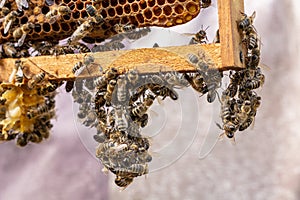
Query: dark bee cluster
[[26, 106], [239, 101], [41, 24], [120, 110]]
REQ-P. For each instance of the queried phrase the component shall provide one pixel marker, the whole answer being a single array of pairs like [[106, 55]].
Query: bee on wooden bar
[[36, 79], [246, 21], [200, 37]]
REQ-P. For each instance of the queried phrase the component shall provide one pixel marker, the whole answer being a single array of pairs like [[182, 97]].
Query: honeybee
[[8, 20], [133, 76], [136, 34], [200, 37], [123, 181], [91, 10], [100, 138], [205, 3], [114, 45], [3, 10], [251, 41], [36, 79], [109, 91], [176, 80], [18, 72], [155, 45], [246, 123], [193, 58], [69, 85], [217, 37], [139, 169], [82, 48], [53, 15], [141, 108], [124, 28], [41, 109], [121, 123], [246, 21], [122, 92], [81, 31], [9, 50], [197, 82]]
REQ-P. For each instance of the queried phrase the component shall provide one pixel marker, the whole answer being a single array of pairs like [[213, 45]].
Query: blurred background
[[188, 163]]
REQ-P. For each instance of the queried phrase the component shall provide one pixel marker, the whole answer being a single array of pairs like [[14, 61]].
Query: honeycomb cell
[[160, 2], [104, 26], [192, 7], [143, 4], [148, 14], [111, 12], [66, 1], [46, 27], [178, 21], [55, 27], [157, 11], [188, 17], [103, 13], [72, 6], [105, 4], [151, 3], [119, 10], [75, 15], [37, 10], [73, 25], [140, 18], [122, 2], [162, 19], [127, 9], [133, 20], [79, 5], [66, 17], [134, 7], [113, 2], [167, 10], [179, 9], [130, 1], [83, 14], [37, 28], [65, 27], [170, 1], [24, 20], [182, 0]]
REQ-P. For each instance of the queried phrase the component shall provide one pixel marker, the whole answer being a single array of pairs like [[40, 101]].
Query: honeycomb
[[141, 13], [26, 108]]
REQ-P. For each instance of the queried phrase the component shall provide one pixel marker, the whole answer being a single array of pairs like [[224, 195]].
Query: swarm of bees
[[27, 106], [120, 110], [239, 101]]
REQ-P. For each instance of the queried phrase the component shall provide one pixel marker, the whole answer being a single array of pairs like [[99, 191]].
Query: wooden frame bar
[[225, 55]]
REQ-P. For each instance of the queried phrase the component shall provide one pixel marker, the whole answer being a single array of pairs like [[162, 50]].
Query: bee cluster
[[40, 25], [119, 112], [239, 101], [26, 106]]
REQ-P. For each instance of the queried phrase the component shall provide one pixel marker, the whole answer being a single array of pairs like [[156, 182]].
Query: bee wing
[[7, 26], [21, 4], [21, 40], [2, 2], [188, 34], [49, 2]]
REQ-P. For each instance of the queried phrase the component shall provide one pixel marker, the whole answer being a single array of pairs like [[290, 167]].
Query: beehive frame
[[226, 54]]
